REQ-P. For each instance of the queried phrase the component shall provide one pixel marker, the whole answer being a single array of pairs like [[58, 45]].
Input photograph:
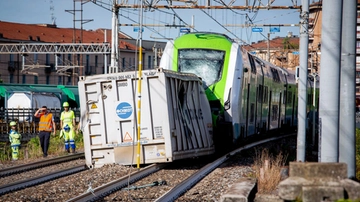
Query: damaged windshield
[[206, 64]]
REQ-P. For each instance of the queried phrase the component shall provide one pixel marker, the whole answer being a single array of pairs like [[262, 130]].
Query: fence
[[28, 125]]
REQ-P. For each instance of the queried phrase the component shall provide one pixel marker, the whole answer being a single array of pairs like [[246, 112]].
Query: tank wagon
[[247, 95], [175, 117]]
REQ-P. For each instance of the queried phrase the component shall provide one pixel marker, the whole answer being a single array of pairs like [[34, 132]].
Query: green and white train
[[247, 95]]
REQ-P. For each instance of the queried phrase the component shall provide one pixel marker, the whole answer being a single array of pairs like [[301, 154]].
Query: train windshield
[[206, 64]]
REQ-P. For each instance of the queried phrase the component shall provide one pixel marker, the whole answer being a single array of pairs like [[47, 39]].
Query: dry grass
[[268, 170], [32, 149]]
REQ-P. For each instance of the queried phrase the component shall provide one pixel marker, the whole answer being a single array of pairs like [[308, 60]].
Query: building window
[[88, 64], [11, 57], [11, 78], [96, 61], [69, 81], [35, 58], [36, 80], [155, 64], [59, 59], [123, 63], [149, 62], [47, 59], [23, 78], [69, 57], [78, 59], [357, 74], [59, 80]]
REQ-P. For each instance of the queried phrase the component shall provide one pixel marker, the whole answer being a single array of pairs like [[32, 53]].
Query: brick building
[[43, 69]]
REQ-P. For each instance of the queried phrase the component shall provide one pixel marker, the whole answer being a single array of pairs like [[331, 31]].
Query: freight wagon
[[174, 118]]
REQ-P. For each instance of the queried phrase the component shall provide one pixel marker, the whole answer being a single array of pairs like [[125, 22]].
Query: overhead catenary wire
[[224, 27]]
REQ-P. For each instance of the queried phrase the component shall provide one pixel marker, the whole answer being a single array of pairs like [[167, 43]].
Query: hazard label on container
[[93, 106], [127, 137]]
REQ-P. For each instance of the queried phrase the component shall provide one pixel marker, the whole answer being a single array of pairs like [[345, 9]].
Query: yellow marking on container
[[93, 106]]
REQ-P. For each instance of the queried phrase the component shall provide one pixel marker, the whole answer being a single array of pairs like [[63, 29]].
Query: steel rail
[[43, 163], [38, 180], [185, 185], [105, 190]]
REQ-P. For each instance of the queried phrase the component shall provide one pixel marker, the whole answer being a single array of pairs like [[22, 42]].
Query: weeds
[[32, 149], [268, 170]]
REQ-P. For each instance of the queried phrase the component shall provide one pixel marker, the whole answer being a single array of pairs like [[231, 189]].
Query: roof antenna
[[53, 18]]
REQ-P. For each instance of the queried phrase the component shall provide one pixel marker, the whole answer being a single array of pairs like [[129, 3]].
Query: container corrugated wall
[[175, 121]]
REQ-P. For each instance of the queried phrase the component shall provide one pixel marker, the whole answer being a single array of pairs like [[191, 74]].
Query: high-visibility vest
[[45, 123], [67, 117], [15, 138]]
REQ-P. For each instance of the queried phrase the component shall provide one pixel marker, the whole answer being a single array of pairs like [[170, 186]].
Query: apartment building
[[47, 68], [281, 51], [315, 27]]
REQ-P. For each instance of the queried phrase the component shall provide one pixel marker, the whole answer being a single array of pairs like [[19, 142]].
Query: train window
[[260, 94], [252, 63], [265, 96], [207, 64], [275, 75], [274, 112], [252, 112], [289, 97]]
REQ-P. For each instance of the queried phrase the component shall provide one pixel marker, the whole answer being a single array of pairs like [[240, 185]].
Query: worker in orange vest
[[46, 126]]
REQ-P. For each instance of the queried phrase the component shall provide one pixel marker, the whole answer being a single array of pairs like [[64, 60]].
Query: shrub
[[268, 170]]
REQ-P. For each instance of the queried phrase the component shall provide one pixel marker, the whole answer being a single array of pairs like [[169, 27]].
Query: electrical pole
[[347, 133], [114, 39], [303, 78], [330, 82]]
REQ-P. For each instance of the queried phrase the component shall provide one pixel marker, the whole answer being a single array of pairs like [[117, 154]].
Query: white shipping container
[[20, 103], [175, 117]]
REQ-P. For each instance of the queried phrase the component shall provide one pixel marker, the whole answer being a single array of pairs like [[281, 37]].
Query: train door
[[293, 110], [252, 97], [269, 113], [247, 109], [279, 116], [259, 96]]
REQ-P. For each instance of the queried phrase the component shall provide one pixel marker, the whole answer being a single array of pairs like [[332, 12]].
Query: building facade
[[315, 27], [65, 68]]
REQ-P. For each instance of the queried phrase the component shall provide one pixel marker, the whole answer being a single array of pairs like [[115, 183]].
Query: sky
[[39, 11]]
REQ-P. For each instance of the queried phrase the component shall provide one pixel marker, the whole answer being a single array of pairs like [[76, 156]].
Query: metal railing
[[27, 124]]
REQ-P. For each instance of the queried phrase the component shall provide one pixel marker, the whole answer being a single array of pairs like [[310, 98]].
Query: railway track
[[176, 191], [40, 179], [105, 190], [181, 188], [30, 166], [24, 183]]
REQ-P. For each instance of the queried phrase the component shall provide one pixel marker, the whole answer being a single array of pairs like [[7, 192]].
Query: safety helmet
[[67, 128], [66, 104], [12, 123]]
